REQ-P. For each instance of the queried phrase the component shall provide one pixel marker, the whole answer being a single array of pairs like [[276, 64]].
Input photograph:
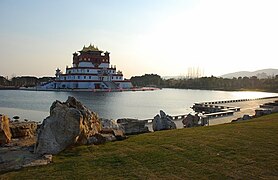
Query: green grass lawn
[[245, 150]]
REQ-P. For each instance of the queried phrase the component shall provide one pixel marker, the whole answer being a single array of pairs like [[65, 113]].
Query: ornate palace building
[[90, 69]]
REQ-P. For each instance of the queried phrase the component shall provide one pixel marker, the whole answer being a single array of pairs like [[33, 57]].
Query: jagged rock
[[107, 124], [5, 133], [194, 120], [188, 121], [69, 123], [262, 112], [97, 139], [113, 128], [246, 117], [109, 137], [133, 126], [119, 134], [258, 112], [23, 129], [102, 138], [163, 122]]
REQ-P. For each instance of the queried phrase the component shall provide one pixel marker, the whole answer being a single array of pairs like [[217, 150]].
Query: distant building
[[90, 69]]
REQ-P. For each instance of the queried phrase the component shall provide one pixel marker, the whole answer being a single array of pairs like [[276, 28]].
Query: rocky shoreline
[[26, 143]]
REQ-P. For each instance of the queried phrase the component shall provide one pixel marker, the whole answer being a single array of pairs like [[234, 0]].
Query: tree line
[[209, 83], [23, 81]]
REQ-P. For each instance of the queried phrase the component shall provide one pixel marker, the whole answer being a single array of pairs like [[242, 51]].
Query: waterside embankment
[[27, 139], [244, 150]]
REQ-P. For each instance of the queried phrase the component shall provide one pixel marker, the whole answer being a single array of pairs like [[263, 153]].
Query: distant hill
[[261, 74]]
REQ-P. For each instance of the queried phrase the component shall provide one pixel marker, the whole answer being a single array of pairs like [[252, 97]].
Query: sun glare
[[251, 94]]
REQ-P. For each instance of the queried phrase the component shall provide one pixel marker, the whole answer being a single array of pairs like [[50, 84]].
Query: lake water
[[34, 105]]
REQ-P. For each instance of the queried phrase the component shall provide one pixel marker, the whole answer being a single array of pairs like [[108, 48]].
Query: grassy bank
[[244, 150]]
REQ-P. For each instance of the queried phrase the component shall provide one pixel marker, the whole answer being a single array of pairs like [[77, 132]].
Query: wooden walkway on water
[[216, 109]]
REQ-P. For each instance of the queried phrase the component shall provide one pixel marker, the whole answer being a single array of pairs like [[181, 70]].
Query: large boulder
[[163, 122], [23, 129], [5, 133], [133, 126], [69, 123]]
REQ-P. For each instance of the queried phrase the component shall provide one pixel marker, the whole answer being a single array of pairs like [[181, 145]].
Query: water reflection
[[142, 105]]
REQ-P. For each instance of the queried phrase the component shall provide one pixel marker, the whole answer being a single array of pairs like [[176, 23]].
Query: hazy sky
[[144, 36]]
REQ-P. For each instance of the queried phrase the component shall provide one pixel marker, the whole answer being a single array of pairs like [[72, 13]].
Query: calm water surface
[[35, 105]]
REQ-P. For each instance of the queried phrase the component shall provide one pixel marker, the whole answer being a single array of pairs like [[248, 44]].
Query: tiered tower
[[90, 70]]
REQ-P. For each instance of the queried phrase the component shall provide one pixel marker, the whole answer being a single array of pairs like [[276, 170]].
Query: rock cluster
[[17, 151], [267, 108], [163, 122], [69, 123], [16, 129]]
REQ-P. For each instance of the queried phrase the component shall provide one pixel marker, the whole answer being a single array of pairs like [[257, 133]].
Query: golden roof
[[90, 48]]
